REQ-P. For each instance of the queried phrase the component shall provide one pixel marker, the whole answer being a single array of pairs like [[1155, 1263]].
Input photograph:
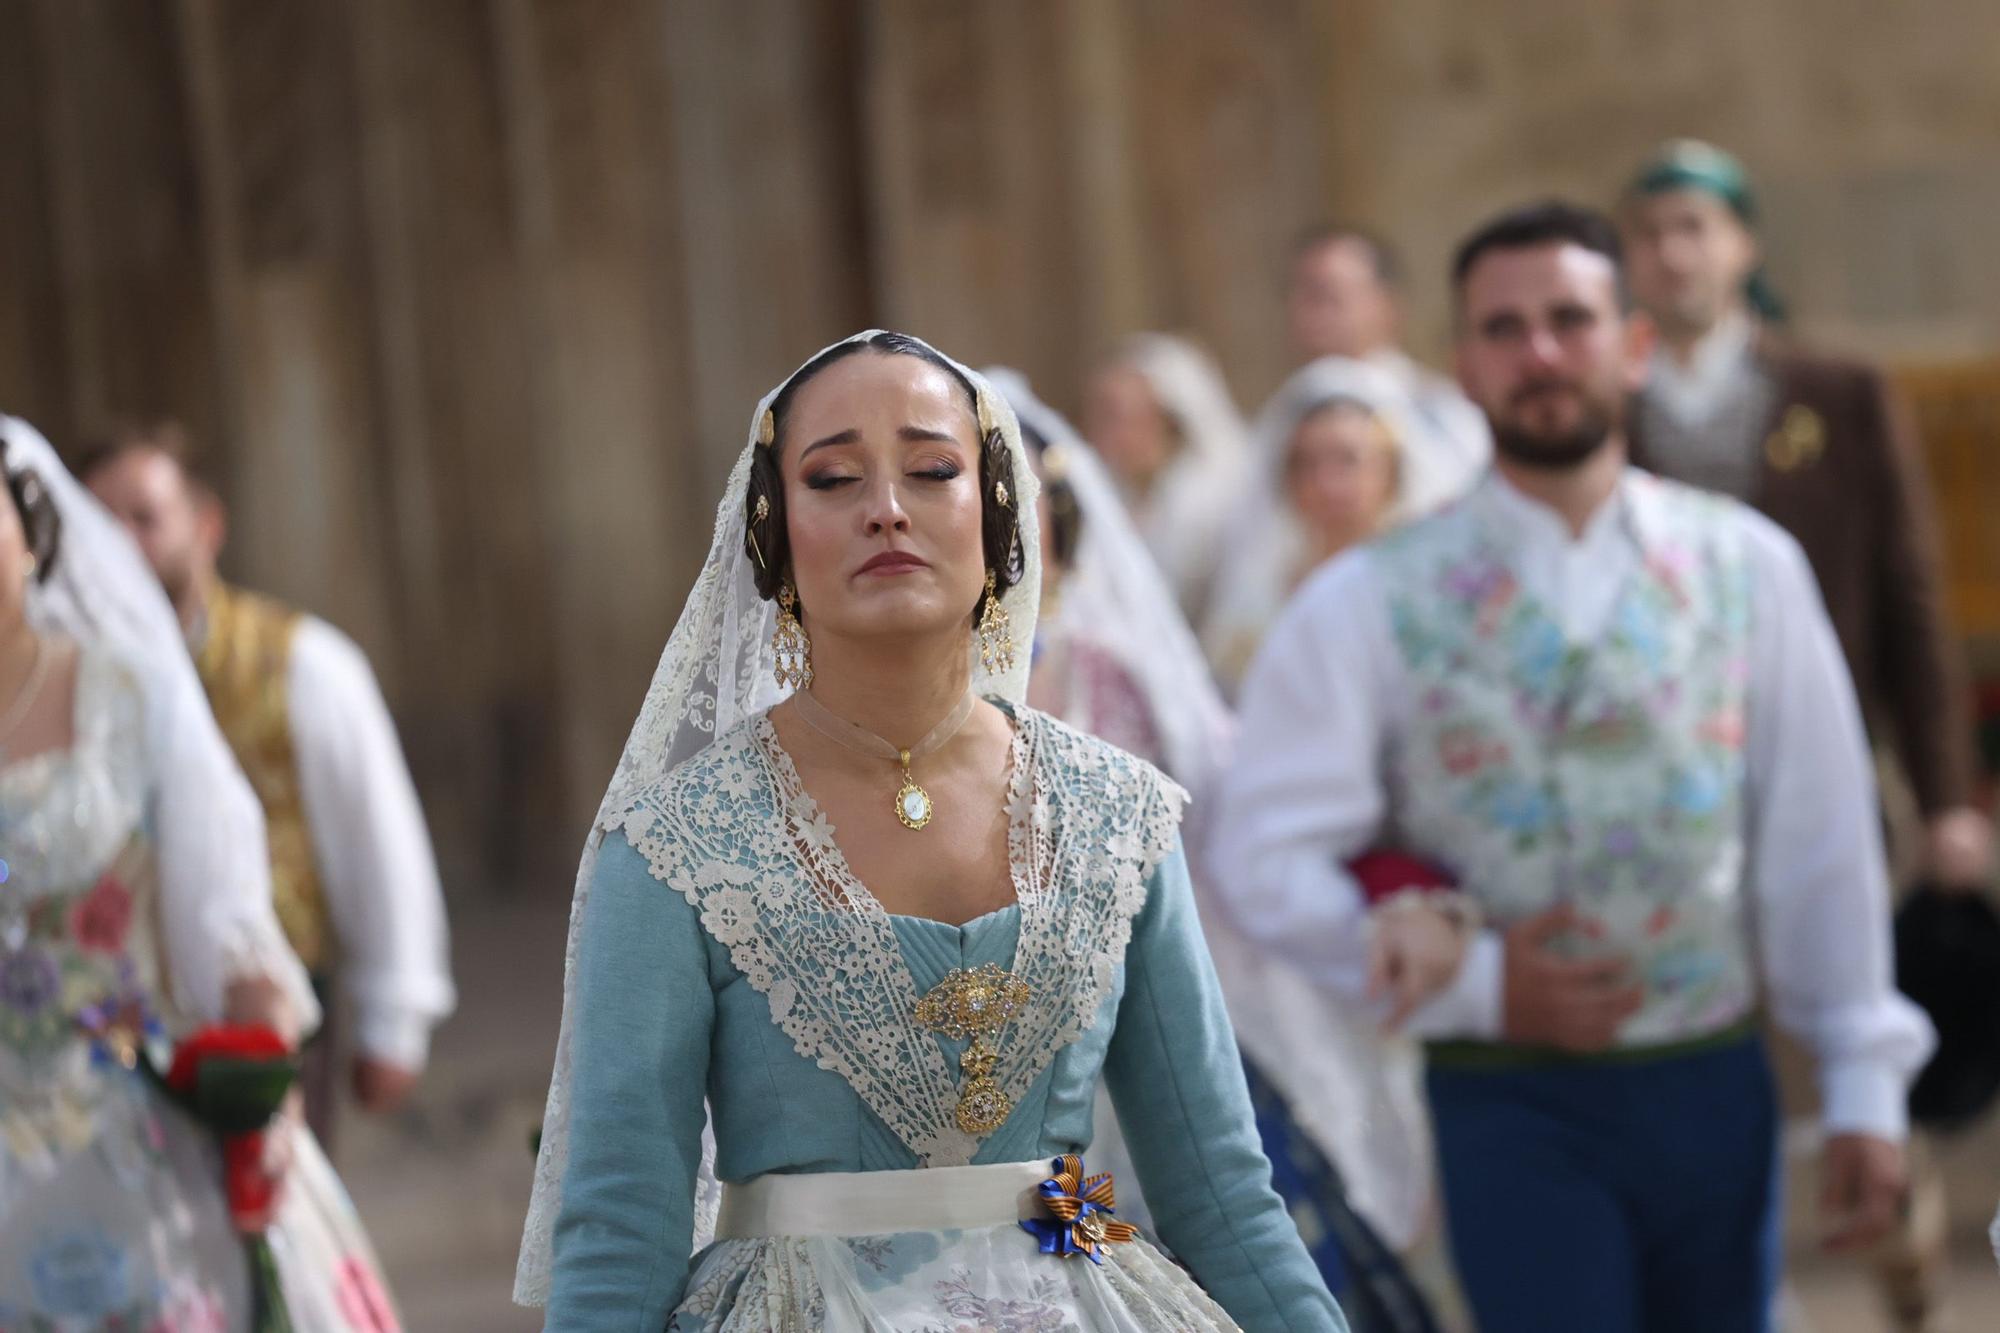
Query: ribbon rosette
[[1085, 1217]]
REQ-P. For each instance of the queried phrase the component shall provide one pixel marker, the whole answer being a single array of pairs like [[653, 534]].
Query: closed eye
[[825, 482], [942, 472]]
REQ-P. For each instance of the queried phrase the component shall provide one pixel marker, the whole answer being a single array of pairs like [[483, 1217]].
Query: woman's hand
[[1961, 849], [1415, 949], [257, 1001]]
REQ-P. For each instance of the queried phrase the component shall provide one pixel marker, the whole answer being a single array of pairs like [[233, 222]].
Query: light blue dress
[[667, 1016]]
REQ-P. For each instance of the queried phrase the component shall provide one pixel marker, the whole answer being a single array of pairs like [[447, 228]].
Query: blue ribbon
[[1072, 1191]]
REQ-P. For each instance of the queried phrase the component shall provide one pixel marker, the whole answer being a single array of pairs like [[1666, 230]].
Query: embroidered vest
[[1607, 775], [245, 668]]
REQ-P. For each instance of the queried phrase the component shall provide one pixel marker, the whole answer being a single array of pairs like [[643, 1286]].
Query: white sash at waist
[[881, 1203]]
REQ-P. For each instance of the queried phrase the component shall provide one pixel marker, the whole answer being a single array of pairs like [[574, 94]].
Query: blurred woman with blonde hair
[[1330, 472]]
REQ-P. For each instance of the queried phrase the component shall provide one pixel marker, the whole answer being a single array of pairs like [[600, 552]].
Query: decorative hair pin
[[758, 515], [1000, 496], [767, 429]]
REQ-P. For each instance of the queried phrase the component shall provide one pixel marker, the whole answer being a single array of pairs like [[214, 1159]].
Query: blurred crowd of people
[[1241, 516]]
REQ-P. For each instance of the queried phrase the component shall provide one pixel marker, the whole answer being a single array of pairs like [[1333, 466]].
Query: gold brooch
[[1799, 440], [976, 1004]]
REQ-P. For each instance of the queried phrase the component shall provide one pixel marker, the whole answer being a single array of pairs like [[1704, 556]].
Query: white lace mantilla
[[1087, 826]]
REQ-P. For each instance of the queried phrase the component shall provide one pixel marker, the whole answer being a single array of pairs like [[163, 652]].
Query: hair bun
[[41, 523]]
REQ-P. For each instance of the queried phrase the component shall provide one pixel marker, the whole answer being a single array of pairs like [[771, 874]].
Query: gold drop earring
[[790, 644], [995, 633]]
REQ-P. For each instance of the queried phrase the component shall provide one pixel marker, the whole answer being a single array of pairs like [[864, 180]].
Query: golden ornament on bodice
[[976, 1004]]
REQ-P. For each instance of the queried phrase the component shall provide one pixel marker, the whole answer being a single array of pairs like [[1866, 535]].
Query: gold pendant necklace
[[913, 803]]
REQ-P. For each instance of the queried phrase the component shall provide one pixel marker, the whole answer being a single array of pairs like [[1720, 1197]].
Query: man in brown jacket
[[1821, 444]]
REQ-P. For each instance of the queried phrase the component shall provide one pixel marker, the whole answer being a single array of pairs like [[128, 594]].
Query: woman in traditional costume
[[892, 927], [1160, 415], [1329, 474], [134, 905]]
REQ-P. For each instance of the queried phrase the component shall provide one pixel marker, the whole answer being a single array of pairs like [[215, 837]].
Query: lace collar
[[734, 832]]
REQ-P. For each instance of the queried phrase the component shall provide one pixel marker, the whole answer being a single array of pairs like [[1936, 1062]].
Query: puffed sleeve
[[1177, 1081], [372, 848], [643, 1020], [1817, 869]]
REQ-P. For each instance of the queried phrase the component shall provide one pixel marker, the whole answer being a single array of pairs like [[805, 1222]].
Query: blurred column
[[596, 190], [34, 353], [125, 224]]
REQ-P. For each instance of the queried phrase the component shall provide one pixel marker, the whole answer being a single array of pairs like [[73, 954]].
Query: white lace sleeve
[[215, 886]]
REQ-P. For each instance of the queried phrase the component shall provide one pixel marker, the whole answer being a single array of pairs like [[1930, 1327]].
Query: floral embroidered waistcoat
[[245, 666], [1608, 775]]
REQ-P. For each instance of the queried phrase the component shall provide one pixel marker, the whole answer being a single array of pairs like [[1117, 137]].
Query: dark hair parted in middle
[[1551, 222], [41, 525], [999, 524]]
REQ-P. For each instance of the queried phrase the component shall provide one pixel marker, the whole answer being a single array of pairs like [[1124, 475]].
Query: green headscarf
[[1690, 164]]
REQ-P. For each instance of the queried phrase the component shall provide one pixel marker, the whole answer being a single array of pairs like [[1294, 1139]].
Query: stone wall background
[[471, 298]]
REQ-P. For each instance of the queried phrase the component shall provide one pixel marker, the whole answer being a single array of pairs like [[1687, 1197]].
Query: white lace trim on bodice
[[1087, 826], [65, 813]]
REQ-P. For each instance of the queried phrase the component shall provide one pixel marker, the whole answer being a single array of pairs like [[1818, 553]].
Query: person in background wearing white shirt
[[1613, 708], [353, 875], [1344, 298]]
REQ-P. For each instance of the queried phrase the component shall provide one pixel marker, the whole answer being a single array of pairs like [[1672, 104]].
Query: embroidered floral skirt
[[112, 1217]]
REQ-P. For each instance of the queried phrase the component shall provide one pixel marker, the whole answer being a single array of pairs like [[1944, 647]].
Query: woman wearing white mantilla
[[1160, 415], [892, 927], [135, 907]]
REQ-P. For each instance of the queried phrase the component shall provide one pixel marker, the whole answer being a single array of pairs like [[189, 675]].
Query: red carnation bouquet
[[233, 1079]]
